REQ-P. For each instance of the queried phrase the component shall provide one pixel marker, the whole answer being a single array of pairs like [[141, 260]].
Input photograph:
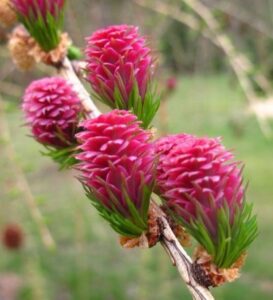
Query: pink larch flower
[[52, 110], [118, 57], [116, 162], [36, 8], [194, 172], [202, 185], [43, 19]]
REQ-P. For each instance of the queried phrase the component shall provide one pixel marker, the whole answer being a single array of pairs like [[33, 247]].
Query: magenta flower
[[37, 8], [52, 110], [119, 68], [117, 169], [43, 19], [116, 56], [202, 184], [200, 169]]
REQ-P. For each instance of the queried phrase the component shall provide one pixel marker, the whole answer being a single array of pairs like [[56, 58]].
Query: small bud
[[20, 46], [12, 237], [171, 84]]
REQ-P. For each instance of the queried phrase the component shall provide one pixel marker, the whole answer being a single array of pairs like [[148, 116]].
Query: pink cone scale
[[116, 56], [120, 66], [36, 8], [200, 182], [117, 167], [197, 168], [52, 109]]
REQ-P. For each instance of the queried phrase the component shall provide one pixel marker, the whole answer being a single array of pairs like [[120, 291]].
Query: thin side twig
[[239, 63], [244, 17]]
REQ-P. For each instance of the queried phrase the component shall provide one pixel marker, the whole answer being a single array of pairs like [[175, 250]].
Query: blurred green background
[[88, 262]]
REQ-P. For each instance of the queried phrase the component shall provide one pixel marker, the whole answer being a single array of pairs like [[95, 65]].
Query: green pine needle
[[64, 157], [46, 31], [131, 223], [229, 241], [144, 109]]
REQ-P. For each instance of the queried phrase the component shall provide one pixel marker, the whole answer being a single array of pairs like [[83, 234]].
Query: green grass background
[[88, 262]]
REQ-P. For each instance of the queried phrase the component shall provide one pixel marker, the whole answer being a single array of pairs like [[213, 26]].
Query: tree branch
[[169, 241], [180, 258], [66, 70], [242, 16]]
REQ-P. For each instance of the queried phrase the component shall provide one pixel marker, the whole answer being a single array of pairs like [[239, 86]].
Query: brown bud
[[208, 274], [149, 238], [53, 57], [7, 14], [19, 47]]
